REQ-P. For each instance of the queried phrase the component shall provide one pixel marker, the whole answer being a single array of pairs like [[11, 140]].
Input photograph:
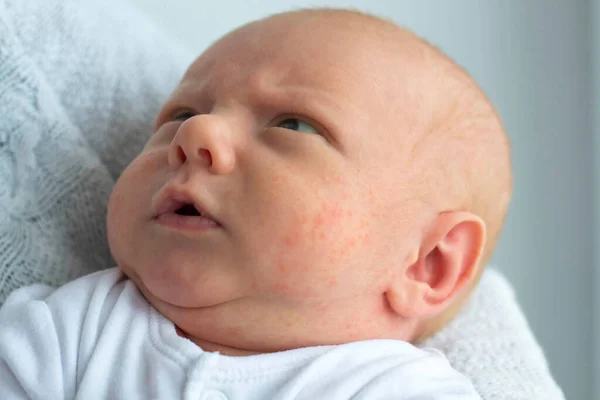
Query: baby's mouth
[[178, 210], [188, 210]]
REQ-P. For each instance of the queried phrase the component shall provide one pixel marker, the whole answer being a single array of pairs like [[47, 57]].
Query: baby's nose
[[203, 140]]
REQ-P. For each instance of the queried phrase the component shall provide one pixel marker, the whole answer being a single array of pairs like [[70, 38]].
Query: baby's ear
[[447, 260]]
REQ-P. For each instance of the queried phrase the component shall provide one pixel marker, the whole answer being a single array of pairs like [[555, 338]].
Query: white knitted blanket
[[80, 83]]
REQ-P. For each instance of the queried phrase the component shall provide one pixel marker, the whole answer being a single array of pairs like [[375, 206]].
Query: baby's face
[[271, 206]]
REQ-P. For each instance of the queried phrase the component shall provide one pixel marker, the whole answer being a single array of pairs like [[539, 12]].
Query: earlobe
[[405, 299], [447, 260]]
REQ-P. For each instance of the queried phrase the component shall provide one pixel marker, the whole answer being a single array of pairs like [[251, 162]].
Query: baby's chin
[[177, 288]]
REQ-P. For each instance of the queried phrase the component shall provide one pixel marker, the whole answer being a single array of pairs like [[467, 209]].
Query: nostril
[[205, 155], [181, 154]]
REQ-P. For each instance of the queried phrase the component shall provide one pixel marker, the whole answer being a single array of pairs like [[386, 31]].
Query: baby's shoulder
[[82, 290], [80, 306], [397, 351], [47, 334], [398, 368]]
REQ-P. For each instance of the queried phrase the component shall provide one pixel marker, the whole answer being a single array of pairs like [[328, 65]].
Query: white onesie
[[98, 338]]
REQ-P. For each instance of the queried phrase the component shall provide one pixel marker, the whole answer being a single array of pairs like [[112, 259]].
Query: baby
[[322, 189]]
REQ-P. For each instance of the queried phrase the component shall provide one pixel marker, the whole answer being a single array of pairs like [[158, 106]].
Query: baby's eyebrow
[[191, 89], [317, 104], [188, 95]]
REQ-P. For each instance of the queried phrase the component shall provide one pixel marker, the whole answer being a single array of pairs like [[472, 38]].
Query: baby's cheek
[[119, 208], [321, 241], [343, 230]]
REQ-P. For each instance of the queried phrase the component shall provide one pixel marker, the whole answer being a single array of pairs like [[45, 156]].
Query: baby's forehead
[[316, 54], [384, 73]]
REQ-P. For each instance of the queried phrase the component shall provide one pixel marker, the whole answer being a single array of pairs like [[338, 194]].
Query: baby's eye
[[183, 116], [296, 124]]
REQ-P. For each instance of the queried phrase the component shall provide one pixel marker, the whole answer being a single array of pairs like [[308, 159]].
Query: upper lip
[[172, 198]]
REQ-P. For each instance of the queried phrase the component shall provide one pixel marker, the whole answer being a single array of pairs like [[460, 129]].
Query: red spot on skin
[[282, 267], [302, 220], [145, 160], [338, 179], [293, 239], [235, 331], [276, 181], [336, 213], [322, 308], [350, 243], [332, 282], [319, 220], [284, 287]]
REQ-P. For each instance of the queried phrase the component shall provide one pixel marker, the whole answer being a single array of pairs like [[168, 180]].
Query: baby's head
[[318, 177]]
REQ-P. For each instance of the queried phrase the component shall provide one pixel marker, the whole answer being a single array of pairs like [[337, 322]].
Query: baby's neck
[[215, 347]]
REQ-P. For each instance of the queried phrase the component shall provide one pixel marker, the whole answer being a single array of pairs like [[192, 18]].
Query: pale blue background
[[534, 59]]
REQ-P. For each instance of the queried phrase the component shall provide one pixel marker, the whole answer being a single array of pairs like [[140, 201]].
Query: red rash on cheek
[[330, 223], [282, 267], [283, 287], [326, 219], [319, 220], [323, 308], [330, 233], [296, 234], [292, 239], [276, 181]]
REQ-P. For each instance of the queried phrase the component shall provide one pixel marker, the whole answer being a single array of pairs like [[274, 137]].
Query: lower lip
[[177, 221]]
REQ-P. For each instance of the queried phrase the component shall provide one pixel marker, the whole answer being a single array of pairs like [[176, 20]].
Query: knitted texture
[[491, 343], [80, 84], [79, 90]]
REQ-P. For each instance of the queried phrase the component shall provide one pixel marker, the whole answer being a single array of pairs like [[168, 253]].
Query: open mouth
[[188, 210], [178, 210]]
